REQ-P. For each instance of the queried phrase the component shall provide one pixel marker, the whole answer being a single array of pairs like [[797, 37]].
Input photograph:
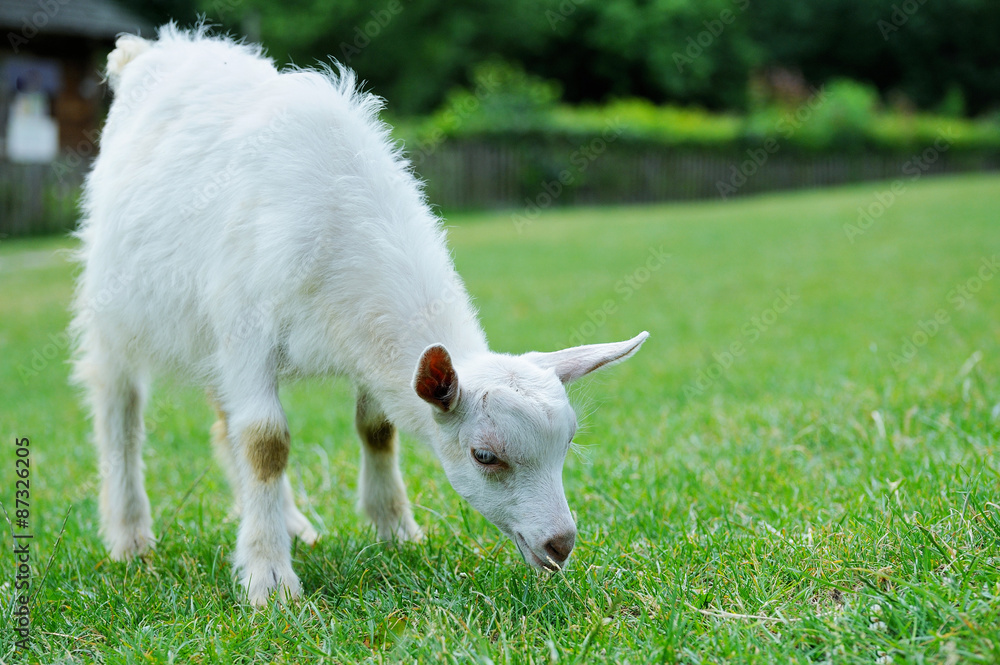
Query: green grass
[[758, 514]]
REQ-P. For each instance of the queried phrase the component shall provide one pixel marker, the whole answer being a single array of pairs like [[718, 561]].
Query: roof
[[99, 19]]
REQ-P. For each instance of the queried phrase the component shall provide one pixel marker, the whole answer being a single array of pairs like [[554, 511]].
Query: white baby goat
[[243, 226]]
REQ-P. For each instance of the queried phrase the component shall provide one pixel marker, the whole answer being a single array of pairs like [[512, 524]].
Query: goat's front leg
[[261, 442], [298, 525], [382, 492]]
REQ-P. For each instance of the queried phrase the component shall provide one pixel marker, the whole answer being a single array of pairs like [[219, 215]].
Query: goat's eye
[[485, 457]]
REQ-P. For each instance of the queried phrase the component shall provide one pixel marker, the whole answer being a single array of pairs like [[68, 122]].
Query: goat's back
[[235, 205]]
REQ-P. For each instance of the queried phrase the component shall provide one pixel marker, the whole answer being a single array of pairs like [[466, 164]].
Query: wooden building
[[52, 99], [56, 48]]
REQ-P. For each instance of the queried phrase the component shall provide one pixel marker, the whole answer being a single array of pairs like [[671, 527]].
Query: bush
[[844, 116], [504, 99]]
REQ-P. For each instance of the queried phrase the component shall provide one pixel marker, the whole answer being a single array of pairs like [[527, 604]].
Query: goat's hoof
[[403, 531], [127, 543], [307, 535], [299, 527], [265, 581]]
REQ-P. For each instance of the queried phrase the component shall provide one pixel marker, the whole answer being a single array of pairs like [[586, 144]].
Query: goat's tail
[[127, 49]]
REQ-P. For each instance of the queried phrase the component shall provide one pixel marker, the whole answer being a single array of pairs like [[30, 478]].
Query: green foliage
[[953, 104], [836, 118], [505, 98], [752, 513], [917, 49], [703, 52], [843, 116], [920, 131], [687, 52], [641, 120]]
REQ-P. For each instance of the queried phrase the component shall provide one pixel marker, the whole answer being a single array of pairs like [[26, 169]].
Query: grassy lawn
[[777, 476]]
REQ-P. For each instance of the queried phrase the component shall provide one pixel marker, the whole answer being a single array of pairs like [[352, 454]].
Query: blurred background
[[524, 105]]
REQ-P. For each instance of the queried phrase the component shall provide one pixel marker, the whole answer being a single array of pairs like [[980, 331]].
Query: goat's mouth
[[531, 558]]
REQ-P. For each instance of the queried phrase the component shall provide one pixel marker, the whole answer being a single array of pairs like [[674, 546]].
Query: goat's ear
[[436, 381], [571, 364]]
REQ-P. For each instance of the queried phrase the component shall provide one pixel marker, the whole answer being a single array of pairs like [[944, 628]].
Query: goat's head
[[505, 425]]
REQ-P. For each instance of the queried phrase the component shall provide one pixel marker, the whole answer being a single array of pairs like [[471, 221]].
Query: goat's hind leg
[[381, 488], [298, 525], [223, 450], [117, 396]]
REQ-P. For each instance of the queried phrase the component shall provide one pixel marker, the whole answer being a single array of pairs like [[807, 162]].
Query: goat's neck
[[447, 319]]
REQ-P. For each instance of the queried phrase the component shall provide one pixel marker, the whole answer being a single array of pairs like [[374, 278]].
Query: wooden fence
[[479, 175], [528, 177], [38, 198]]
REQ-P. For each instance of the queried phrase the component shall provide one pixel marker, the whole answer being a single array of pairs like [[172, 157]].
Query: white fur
[[243, 226]]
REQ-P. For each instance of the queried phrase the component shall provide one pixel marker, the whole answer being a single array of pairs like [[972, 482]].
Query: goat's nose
[[559, 547]]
